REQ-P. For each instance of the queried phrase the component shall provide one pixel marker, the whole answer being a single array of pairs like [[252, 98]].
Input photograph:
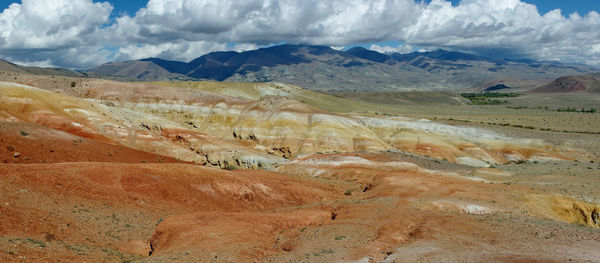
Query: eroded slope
[[341, 187], [270, 127]]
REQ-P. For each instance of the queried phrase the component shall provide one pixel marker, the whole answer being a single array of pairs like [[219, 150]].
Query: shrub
[[229, 167]]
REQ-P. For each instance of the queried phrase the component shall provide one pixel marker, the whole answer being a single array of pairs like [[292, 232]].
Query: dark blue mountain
[[170, 65], [370, 55]]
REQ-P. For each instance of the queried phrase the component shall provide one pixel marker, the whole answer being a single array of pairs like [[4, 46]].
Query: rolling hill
[[11, 67], [587, 83], [357, 69]]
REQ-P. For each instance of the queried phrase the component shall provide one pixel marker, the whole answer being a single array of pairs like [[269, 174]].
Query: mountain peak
[[368, 54]]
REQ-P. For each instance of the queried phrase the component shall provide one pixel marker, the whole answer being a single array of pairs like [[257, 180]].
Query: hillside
[[11, 67], [142, 69], [405, 98], [577, 83], [357, 69]]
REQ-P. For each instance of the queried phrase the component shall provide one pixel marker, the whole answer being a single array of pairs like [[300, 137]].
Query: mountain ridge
[[323, 68]]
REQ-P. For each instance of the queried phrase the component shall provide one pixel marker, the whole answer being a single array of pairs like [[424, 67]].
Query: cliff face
[[215, 129]]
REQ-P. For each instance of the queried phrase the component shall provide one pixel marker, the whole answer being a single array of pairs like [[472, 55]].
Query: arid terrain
[[95, 170]]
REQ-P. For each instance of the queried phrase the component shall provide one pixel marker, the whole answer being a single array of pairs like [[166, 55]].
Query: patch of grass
[[485, 98], [490, 95], [340, 237], [517, 107], [36, 242], [573, 109], [24, 133]]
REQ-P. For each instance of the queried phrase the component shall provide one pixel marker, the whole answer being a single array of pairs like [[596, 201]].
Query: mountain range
[[322, 68]]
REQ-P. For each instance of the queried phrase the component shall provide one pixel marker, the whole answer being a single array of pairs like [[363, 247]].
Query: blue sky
[[85, 33], [568, 7]]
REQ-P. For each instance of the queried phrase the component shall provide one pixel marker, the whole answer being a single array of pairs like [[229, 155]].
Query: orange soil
[[30, 143], [98, 211], [87, 204]]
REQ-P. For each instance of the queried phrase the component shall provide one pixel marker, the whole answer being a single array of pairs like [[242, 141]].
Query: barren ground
[[171, 182]]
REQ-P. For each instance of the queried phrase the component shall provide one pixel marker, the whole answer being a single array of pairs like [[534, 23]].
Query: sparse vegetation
[[560, 109], [573, 109], [324, 252], [229, 167], [485, 98]]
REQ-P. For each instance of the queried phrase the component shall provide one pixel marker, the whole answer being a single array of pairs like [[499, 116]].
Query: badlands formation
[[239, 172]]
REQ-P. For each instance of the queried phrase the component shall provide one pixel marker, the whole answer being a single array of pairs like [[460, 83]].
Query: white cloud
[[42, 30], [79, 33], [244, 47], [42, 63], [391, 49], [183, 51]]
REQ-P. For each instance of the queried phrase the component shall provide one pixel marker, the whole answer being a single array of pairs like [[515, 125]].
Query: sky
[[80, 34]]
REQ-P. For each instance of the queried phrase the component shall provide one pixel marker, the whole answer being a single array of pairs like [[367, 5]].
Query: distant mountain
[[145, 69], [11, 67], [586, 83], [370, 55], [357, 69]]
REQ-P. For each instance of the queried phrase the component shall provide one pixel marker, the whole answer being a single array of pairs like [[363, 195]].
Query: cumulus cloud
[[79, 33], [41, 30], [510, 26]]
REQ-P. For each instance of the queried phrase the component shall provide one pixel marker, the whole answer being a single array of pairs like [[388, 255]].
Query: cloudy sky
[[85, 33]]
